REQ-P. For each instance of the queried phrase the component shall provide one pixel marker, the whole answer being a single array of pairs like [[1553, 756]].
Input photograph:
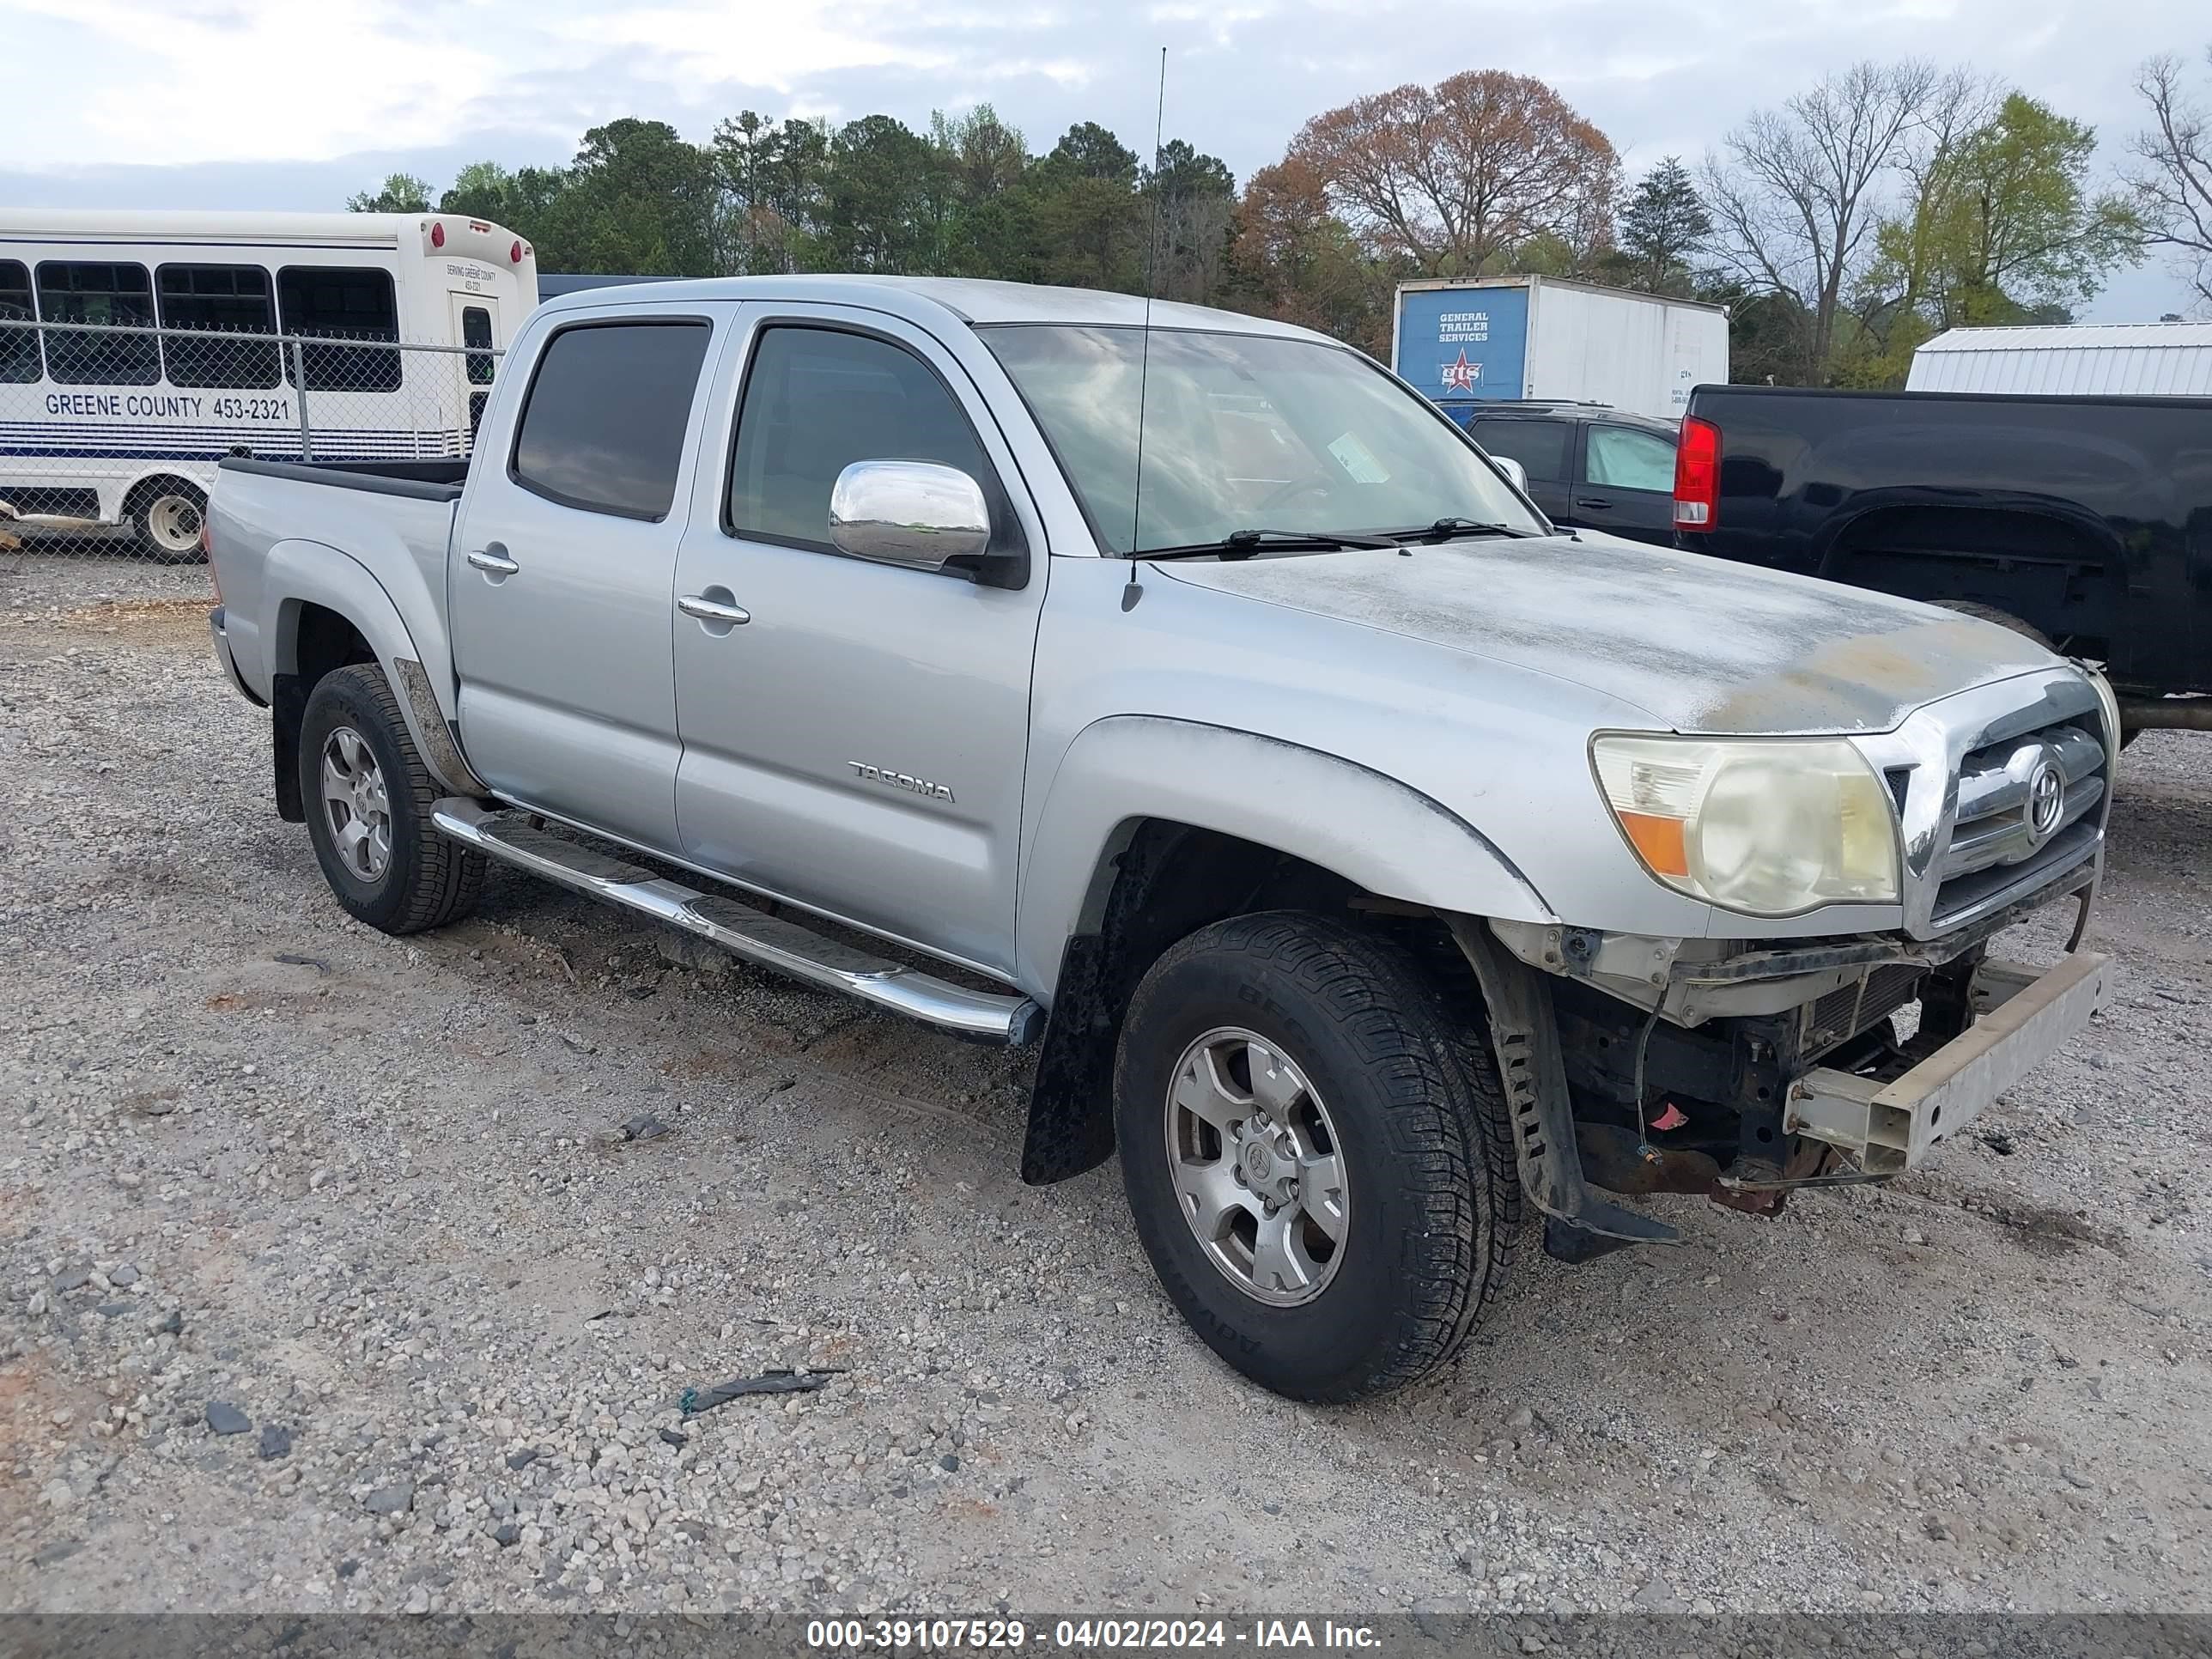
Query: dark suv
[[1591, 466]]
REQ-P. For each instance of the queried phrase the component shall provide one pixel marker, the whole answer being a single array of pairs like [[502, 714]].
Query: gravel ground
[[329, 1277]]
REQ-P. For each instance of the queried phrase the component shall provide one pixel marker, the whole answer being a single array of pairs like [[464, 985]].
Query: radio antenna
[[1132, 593]]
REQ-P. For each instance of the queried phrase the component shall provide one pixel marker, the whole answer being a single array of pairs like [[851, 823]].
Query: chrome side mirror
[[915, 513], [1516, 474]]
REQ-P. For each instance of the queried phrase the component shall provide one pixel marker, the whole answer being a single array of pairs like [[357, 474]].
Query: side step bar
[[743, 931]]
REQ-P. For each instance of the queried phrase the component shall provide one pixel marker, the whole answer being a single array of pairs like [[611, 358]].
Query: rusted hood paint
[[1699, 644]]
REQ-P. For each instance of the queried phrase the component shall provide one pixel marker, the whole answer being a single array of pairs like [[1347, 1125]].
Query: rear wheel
[[1316, 1153], [166, 514], [368, 798]]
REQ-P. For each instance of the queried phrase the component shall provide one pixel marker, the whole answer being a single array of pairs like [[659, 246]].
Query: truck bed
[[438, 480], [394, 518]]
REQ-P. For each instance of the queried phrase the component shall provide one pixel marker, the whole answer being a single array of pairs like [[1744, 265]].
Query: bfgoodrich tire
[[1316, 1153], [368, 798]]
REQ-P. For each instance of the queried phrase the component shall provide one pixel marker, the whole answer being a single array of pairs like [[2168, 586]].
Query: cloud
[[280, 100]]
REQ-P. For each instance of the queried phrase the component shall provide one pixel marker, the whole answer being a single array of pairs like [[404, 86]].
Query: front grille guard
[[1922, 759]]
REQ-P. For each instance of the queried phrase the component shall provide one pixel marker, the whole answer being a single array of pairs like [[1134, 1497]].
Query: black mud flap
[[1071, 1103], [288, 709]]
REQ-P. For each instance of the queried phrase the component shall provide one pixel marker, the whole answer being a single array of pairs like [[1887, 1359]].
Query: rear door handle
[[713, 610], [1595, 503], [493, 560]]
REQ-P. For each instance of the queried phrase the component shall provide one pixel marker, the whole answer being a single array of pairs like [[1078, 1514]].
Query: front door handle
[[713, 610], [493, 560]]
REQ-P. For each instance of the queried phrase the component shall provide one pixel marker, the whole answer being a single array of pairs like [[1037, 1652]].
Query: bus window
[[19, 347], [476, 331], [118, 296], [223, 300], [339, 304]]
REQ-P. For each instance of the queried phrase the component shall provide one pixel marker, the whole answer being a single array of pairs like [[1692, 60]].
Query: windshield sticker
[[1359, 460]]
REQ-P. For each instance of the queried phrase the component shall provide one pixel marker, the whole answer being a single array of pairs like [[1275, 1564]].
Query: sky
[[281, 104]]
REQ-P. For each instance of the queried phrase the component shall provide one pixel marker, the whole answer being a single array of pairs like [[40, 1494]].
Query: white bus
[[139, 348]]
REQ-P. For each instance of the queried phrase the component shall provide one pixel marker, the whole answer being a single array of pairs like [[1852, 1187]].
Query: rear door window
[[1539, 446], [1624, 458], [118, 300], [604, 422]]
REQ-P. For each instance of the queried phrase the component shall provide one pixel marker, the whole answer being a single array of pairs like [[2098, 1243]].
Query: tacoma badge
[[900, 781]]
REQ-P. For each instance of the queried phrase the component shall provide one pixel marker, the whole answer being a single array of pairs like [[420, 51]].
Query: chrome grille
[[2026, 805]]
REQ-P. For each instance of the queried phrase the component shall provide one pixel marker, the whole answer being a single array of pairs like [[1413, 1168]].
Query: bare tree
[[1795, 200], [1454, 174], [2173, 181]]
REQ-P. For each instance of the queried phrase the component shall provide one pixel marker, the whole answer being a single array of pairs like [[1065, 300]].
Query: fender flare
[[298, 573], [1385, 838]]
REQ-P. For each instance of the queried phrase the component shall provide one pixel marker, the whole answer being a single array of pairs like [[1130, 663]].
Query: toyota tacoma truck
[[1180, 693]]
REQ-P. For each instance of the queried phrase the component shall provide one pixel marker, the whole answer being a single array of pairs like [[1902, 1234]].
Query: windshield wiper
[[1445, 530], [1243, 544]]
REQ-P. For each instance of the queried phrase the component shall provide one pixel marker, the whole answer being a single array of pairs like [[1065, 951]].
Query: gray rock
[[123, 1277], [949, 1463], [395, 1499], [507, 1537], [171, 1323], [222, 1418], [523, 1459], [275, 1442], [644, 1127], [74, 1280], [114, 1309]]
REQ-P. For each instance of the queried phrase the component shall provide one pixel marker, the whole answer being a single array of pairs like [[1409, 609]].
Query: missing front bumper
[[2025, 1015]]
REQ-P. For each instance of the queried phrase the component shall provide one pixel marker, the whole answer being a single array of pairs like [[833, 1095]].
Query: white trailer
[[136, 349], [2136, 359], [1502, 338]]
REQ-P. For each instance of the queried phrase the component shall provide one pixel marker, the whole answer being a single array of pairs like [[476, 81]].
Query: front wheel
[[1315, 1152]]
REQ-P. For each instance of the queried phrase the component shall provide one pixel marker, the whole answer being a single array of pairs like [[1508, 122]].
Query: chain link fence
[[110, 436]]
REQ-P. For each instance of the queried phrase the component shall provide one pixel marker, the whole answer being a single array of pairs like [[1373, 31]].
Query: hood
[[1699, 644]]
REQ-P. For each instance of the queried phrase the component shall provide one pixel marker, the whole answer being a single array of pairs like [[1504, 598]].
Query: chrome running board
[[769, 941]]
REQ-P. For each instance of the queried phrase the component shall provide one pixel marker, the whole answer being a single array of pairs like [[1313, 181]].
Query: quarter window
[[119, 300], [329, 302], [19, 346], [603, 427], [1624, 458], [818, 399], [217, 299], [1539, 446]]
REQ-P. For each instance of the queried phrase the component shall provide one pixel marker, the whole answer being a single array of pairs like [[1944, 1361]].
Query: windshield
[[1243, 431]]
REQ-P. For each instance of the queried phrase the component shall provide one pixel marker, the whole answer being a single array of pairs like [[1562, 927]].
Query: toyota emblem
[[2047, 799]]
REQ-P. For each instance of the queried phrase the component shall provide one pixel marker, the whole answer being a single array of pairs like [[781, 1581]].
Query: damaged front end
[[1742, 1072]]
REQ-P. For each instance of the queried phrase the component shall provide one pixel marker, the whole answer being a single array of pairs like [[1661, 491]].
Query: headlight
[[1773, 827]]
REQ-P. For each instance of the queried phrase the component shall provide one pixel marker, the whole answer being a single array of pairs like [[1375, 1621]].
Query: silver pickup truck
[[1365, 858]]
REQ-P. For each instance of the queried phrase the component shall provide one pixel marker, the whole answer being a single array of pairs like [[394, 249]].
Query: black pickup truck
[[2086, 521]]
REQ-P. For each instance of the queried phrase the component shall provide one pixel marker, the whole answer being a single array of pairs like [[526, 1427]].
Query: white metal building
[[2147, 360]]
